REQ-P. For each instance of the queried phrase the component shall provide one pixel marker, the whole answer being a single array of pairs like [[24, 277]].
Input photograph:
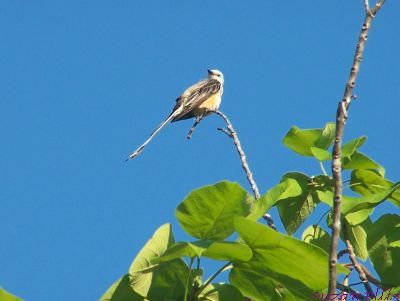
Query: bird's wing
[[196, 95]]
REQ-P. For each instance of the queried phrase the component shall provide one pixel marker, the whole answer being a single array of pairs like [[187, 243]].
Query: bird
[[197, 101]]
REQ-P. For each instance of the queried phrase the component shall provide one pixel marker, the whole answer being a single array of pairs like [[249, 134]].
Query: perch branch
[[341, 117], [196, 123], [232, 134]]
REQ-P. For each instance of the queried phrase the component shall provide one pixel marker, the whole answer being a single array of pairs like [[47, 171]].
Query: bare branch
[[366, 6], [225, 131], [196, 123], [357, 266], [377, 7], [241, 153], [341, 117], [354, 293], [370, 277], [267, 217]]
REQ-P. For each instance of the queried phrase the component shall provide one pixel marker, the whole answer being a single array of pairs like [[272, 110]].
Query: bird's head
[[216, 74]]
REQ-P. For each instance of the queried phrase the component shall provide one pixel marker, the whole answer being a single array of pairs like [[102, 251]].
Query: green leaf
[[295, 210], [207, 213], [317, 236], [169, 281], [321, 154], [327, 136], [350, 147], [366, 182], [182, 249], [230, 251], [285, 189], [275, 268], [220, 292], [360, 161], [260, 287], [218, 250], [5, 296], [119, 291], [358, 237], [301, 141], [146, 264], [386, 259], [357, 209]]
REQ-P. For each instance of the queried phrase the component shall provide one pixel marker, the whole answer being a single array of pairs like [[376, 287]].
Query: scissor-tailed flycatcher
[[197, 101]]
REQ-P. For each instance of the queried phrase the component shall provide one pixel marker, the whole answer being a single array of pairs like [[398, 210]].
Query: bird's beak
[[209, 71]]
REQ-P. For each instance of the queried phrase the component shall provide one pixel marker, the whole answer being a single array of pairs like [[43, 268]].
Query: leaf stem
[[322, 168], [188, 279], [223, 268], [320, 219]]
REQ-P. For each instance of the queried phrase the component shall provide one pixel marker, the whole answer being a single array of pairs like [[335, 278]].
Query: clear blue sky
[[82, 84]]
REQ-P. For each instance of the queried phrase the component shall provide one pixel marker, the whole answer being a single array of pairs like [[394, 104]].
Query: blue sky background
[[83, 83]]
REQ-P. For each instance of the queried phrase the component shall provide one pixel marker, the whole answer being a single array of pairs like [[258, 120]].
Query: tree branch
[[354, 261], [232, 134], [341, 117]]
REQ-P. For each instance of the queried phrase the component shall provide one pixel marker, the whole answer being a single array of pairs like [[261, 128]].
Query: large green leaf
[[220, 292], [317, 236], [146, 274], [327, 136], [207, 213], [285, 189], [219, 250], [188, 249], [121, 290], [366, 182], [358, 237], [301, 140], [275, 268], [359, 160], [350, 147], [169, 281], [227, 250], [357, 209], [6, 296], [321, 154], [295, 210], [381, 236], [268, 287]]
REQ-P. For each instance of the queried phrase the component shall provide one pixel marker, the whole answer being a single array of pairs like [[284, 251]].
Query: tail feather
[[140, 148]]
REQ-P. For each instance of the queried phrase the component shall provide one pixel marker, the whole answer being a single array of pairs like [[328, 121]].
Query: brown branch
[[341, 117], [351, 291], [196, 123], [232, 134], [371, 277], [354, 261]]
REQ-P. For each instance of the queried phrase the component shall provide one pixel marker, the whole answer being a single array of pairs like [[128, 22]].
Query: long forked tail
[[164, 123]]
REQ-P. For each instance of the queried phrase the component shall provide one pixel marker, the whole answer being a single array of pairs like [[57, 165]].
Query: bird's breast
[[212, 103]]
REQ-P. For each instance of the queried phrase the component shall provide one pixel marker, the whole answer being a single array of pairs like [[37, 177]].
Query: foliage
[[264, 264], [5, 296]]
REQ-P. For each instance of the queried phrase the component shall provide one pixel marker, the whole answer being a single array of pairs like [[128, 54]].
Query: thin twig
[[225, 131], [351, 291], [342, 252], [196, 123], [341, 117], [355, 263], [370, 277], [241, 153]]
